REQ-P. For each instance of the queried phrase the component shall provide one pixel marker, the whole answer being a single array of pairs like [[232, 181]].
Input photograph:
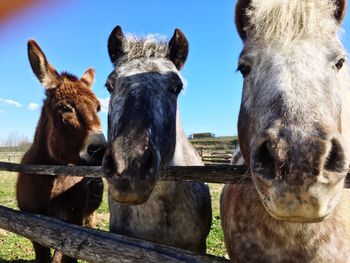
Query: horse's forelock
[[155, 46], [285, 21]]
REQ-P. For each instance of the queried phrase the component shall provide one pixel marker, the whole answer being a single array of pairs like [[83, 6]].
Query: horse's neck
[[185, 154]]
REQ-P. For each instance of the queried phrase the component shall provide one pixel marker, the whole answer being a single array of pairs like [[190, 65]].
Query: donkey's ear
[[46, 74], [178, 49], [241, 18], [88, 77], [340, 8], [116, 44]]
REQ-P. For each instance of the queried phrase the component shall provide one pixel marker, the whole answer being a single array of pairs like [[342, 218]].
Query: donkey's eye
[[340, 63], [244, 69], [65, 109]]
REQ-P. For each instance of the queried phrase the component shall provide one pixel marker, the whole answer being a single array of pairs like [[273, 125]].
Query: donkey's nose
[[96, 151], [96, 147]]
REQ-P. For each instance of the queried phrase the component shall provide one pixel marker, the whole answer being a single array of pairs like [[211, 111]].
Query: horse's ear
[[116, 44], [88, 77], [241, 18], [178, 49], [46, 74], [340, 9]]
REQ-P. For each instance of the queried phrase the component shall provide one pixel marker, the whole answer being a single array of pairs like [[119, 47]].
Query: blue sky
[[73, 35]]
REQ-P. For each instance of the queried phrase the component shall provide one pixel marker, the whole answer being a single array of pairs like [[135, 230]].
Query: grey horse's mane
[[285, 21]]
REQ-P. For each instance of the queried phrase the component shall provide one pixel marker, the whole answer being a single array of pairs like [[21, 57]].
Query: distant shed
[[202, 135]]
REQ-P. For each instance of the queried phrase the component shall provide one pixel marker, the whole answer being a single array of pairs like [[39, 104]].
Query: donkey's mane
[[289, 20], [145, 47], [69, 76]]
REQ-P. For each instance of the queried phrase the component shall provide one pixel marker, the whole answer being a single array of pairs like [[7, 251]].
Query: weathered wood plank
[[90, 244], [210, 174], [225, 174]]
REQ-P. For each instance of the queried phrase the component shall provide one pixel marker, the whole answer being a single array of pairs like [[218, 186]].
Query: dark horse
[[145, 134], [68, 132]]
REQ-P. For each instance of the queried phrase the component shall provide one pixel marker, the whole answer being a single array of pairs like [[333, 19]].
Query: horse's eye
[[109, 86], [244, 69], [176, 89], [98, 108], [65, 109], [340, 63]]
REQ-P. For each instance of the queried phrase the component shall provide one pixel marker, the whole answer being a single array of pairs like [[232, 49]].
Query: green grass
[[215, 240], [14, 248]]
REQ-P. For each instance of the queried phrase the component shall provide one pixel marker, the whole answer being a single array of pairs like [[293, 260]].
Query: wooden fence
[[99, 246], [90, 244]]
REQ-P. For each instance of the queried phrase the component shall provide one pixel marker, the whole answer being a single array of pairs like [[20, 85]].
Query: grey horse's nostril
[[335, 161], [108, 165], [263, 162]]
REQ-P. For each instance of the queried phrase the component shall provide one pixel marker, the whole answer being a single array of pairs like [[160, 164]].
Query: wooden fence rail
[[223, 174], [90, 244], [211, 173]]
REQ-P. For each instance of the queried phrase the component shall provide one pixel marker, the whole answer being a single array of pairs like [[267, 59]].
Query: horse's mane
[[145, 47], [289, 20]]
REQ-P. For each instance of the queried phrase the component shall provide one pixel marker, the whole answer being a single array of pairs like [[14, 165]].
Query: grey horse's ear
[[116, 44], [340, 9], [43, 70], [241, 18], [178, 49]]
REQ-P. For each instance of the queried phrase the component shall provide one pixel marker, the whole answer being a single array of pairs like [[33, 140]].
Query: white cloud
[[2, 111], [10, 102], [32, 106], [104, 104]]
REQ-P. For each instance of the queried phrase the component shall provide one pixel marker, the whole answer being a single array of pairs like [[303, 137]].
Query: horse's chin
[[129, 198], [297, 219]]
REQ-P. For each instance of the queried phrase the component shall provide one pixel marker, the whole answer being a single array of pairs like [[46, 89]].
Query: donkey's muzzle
[[95, 147]]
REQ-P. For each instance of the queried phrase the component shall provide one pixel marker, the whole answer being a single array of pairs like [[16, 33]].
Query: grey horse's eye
[[244, 69], [340, 63], [109, 86]]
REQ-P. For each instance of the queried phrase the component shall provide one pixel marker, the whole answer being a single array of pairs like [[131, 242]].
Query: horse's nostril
[[263, 162], [147, 163], [335, 161], [96, 151], [108, 165]]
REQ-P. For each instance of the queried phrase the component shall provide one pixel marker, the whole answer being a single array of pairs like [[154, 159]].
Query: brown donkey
[[69, 132]]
